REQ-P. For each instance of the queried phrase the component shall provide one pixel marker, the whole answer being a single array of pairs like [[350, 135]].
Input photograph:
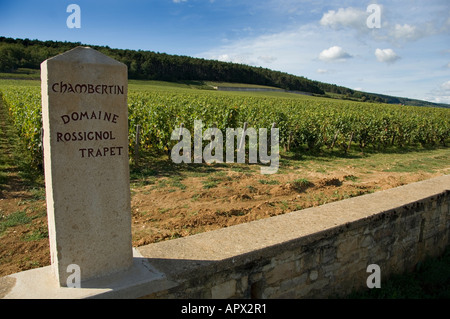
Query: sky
[[396, 47]]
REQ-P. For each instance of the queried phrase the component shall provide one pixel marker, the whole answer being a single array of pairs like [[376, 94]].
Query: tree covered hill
[[148, 65]]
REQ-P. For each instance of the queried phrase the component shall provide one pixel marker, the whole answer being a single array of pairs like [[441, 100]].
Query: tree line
[[149, 65]]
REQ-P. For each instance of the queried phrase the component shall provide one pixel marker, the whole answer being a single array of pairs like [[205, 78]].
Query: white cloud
[[223, 58], [441, 99], [349, 17], [446, 25], [178, 1], [267, 58], [386, 55], [334, 53], [405, 32], [441, 94], [283, 51], [236, 58], [390, 30], [446, 86], [322, 71]]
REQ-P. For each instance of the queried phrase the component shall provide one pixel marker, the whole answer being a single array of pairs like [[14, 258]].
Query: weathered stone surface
[[224, 290], [85, 121]]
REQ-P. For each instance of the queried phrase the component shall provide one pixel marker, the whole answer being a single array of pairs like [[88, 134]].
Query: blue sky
[[408, 55]]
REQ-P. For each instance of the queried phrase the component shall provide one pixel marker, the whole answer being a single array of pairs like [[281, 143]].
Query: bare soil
[[166, 213]]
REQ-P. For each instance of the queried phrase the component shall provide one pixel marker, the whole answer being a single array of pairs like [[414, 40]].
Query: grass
[[15, 219], [351, 178], [268, 182], [301, 184], [215, 180], [177, 183], [396, 160], [37, 234], [210, 183], [413, 164]]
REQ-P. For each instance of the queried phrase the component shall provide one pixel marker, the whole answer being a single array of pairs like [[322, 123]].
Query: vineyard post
[[288, 148], [349, 142], [334, 139], [136, 145]]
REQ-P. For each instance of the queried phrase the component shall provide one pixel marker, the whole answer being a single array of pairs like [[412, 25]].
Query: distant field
[[8, 79], [226, 84], [22, 74]]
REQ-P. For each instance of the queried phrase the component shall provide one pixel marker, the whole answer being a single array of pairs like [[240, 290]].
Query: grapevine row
[[303, 123]]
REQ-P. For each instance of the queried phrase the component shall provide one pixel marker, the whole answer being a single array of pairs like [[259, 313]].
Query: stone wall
[[330, 262]]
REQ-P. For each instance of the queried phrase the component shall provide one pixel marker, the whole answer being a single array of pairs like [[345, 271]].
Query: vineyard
[[304, 123], [330, 150]]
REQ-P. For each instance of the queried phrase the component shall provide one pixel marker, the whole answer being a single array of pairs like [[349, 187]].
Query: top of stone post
[[85, 55]]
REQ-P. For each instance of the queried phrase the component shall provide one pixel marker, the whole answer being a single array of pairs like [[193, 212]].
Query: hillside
[[16, 54]]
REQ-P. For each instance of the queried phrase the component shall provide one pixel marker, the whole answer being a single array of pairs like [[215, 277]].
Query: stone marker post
[[85, 121]]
